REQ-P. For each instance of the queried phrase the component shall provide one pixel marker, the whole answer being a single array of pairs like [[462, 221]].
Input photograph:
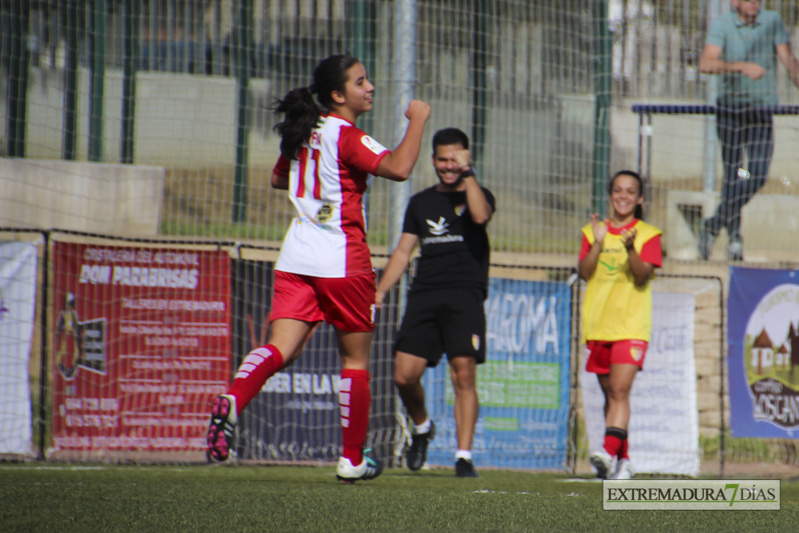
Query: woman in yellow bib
[[618, 257]]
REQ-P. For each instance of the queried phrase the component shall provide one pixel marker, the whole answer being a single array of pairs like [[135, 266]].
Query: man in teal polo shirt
[[743, 46]]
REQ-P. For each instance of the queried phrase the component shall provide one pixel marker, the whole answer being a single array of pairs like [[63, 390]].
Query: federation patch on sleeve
[[372, 145]]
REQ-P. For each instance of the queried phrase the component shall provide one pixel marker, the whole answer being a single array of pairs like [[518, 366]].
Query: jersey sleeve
[[282, 167], [409, 225], [715, 34], [781, 35], [585, 246], [360, 151], [490, 199], [652, 251]]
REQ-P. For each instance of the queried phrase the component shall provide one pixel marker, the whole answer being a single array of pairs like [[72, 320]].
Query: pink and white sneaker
[[221, 435]]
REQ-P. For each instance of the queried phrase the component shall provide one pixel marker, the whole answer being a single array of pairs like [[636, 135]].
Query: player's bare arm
[[479, 208], [640, 269], [587, 265], [398, 165], [397, 264]]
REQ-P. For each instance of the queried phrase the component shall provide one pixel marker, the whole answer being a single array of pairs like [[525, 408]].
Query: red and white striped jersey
[[327, 237]]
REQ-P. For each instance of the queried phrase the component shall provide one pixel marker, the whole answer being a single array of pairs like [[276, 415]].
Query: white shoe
[[735, 251], [602, 463], [370, 468], [624, 470]]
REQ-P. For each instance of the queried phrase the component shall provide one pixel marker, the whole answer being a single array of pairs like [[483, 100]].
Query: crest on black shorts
[[325, 213]]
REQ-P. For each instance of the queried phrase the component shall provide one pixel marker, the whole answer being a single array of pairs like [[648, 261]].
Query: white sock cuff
[[424, 427], [463, 454]]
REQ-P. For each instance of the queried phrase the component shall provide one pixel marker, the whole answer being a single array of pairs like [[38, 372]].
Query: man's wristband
[[468, 173]]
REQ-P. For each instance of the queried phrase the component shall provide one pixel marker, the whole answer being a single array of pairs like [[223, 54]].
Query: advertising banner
[[296, 415], [664, 424], [523, 387], [691, 495], [763, 352], [141, 346], [17, 310]]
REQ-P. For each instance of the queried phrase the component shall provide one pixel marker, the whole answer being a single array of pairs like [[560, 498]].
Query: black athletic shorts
[[446, 320]]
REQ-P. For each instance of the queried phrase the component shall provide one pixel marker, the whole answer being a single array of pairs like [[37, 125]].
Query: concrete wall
[[90, 197], [188, 121], [182, 120], [761, 217]]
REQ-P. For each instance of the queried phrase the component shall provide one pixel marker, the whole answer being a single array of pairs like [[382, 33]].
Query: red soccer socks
[[259, 365], [355, 400]]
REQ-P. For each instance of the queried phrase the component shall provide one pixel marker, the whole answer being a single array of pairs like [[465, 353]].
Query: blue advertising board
[[523, 387], [763, 352]]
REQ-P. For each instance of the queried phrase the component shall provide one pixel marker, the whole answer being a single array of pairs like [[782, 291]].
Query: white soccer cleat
[[370, 468], [602, 463], [624, 470]]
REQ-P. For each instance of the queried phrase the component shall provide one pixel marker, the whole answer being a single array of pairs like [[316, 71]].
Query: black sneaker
[[465, 468], [416, 454]]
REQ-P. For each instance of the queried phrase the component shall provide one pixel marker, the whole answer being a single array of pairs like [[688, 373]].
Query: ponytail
[[639, 212], [301, 109], [301, 115]]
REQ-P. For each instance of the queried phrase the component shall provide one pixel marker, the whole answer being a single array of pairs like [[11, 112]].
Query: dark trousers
[[741, 128]]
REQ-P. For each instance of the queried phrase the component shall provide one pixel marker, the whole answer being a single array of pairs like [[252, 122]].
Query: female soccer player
[[324, 271], [617, 259]]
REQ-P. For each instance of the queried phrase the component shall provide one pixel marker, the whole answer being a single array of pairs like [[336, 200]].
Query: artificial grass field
[[55, 498]]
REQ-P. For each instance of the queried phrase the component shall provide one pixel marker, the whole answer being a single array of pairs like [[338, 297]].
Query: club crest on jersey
[[476, 342], [372, 144], [324, 214], [459, 209]]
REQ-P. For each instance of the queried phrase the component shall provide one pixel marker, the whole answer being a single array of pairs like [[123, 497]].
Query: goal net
[[148, 122]]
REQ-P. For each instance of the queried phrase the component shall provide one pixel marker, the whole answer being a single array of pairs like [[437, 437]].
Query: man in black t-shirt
[[444, 312]]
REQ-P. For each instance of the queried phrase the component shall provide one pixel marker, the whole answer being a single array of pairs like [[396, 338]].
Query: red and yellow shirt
[[614, 307]]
